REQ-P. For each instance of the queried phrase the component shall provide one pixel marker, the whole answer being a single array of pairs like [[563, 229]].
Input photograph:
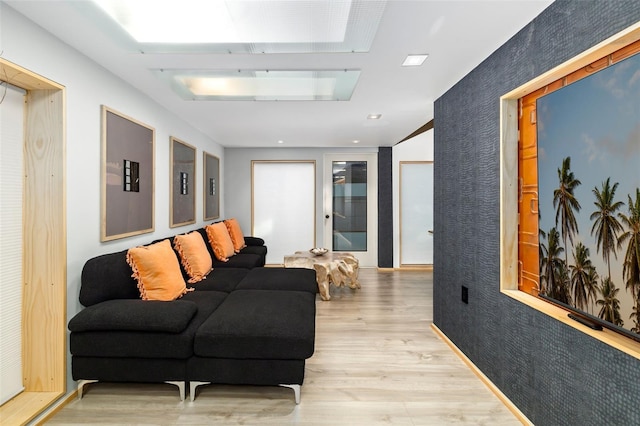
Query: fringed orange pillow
[[235, 232], [157, 271], [194, 255], [220, 241]]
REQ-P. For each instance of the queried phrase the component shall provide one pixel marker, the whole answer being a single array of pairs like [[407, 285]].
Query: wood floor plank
[[377, 362]]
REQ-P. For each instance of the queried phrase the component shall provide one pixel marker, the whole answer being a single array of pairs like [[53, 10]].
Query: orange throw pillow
[[194, 255], [220, 241], [157, 271], [235, 232]]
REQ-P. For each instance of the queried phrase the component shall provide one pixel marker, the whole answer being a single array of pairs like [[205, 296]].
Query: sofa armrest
[[135, 315], [253, 241]]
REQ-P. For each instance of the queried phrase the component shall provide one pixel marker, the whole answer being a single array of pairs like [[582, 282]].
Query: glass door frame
[[367, 258]]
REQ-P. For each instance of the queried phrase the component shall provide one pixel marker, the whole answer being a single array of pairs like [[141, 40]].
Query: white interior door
[[416, 213], [351, 205], [284, 206]]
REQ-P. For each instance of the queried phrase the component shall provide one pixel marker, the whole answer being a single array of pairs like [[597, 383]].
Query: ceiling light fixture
[[261, 85], [233, 26], [374, 116], [414, 60], [151, 21], [280, 142], [356, 141]]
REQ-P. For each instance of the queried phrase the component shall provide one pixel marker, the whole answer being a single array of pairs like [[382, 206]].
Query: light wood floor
[[376, 362]]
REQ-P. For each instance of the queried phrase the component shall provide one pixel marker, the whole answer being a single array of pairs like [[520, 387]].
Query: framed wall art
[[211, 186], [128, 149], [183, 184]]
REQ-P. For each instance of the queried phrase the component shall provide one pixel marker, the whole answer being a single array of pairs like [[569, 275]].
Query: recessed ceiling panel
[[261, 85], [244, 26]]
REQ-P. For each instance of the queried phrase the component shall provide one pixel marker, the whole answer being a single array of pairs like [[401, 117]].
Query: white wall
[[88, 86], [238, 177], [419, 148]]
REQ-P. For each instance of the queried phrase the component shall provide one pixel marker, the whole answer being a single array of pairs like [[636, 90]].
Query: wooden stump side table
[[341, 269]]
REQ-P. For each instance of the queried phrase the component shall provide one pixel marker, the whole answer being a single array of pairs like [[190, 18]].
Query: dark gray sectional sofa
[[243, 324]]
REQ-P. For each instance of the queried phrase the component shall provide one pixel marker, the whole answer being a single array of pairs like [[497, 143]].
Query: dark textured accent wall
[[555, 374], [385, 207]]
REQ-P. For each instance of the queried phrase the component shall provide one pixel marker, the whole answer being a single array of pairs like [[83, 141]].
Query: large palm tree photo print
[[588, 136]]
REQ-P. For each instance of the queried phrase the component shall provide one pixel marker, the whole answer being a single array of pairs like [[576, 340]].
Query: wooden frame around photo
[[211, 186], [182, 204], [128, 176]]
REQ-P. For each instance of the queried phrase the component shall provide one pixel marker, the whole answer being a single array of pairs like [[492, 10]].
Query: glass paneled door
[[350, 204]]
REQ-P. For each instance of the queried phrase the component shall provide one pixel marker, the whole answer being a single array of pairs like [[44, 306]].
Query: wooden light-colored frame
[[182, 207], [509, 275], [114, 147], [44, 290], [211, 201]]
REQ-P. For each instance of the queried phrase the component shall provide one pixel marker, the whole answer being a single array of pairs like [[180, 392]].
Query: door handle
[[326, 216], [430, 231]]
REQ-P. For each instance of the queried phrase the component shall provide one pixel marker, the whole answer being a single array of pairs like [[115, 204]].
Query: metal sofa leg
[[296, 391], [192, 388], [181, 387], [81, 385]]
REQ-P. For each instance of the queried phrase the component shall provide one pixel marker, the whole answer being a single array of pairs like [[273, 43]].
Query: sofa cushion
[[298, 279], [135, 315], [240, 260], [253, 241], [255, 246], [236, 234], [194, 256], [148, 344], [107, 277], [222, 279], [259, 250], [157, 271], [220, 241], [238, 329]]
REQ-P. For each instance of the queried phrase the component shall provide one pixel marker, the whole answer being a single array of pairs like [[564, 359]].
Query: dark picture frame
[[182, 204], [211, 186], [128, 176]]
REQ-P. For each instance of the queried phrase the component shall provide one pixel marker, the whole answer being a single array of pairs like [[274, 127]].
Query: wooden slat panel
[[45, 251], [509, 194], [44, 294]]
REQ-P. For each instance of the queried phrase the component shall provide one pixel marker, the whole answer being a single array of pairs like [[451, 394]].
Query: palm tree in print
[[609, 304], [593, 278], [635, 316], [583, 288], [550, 266], [631, 265], [566, 204], [605, 226]]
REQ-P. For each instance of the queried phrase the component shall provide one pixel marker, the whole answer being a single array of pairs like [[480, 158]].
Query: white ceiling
[[457, 35]]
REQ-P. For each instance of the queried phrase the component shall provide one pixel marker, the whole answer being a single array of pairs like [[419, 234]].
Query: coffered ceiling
[[287, 73]]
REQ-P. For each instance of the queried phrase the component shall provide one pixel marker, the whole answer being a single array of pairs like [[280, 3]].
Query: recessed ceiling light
[[281, 142], [414, 60], [374, 116], [356, 141]]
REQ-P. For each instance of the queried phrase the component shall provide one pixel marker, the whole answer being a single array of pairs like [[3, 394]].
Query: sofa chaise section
[[265, 334]]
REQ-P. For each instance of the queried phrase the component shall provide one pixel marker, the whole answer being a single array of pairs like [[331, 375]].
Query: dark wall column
[[385, 207]]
